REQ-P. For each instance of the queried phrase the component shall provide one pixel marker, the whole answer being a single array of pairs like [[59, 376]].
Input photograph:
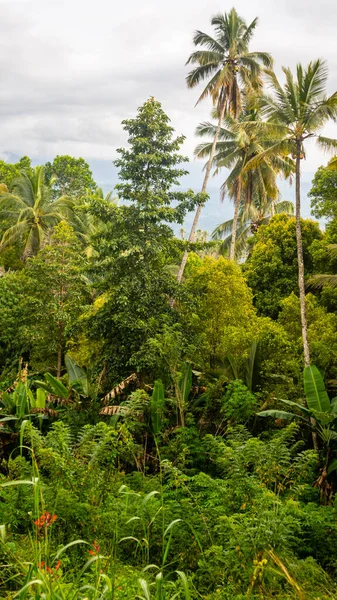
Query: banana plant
[[183, 386], [79, 382], [319, 413], [22, 404]]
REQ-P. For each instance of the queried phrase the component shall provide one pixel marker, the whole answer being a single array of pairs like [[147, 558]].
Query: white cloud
[[71, 70]]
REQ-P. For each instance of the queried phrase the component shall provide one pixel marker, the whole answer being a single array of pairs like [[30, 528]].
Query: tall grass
[[43, 576]]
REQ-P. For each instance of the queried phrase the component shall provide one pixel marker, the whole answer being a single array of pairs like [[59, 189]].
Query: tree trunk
[[59, 350], [191, 237], [235, 220], [300, 258], [301, 285]]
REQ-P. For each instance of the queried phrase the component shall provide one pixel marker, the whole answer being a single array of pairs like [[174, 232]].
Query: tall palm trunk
[[191, 237], [300, 257], [235, 219], [301, 286]]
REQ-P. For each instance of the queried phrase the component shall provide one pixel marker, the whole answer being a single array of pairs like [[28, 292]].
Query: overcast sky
[[71, 70]]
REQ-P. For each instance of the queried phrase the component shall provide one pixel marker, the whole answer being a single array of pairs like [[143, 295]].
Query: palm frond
[[320, 281], [285, 206]]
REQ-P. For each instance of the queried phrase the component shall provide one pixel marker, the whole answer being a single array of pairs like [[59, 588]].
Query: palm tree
[[228, 66], [297, 112], [251, 217], [29, 204], [238, 142]]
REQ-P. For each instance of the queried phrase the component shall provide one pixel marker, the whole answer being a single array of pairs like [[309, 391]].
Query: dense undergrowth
[[113, 510]]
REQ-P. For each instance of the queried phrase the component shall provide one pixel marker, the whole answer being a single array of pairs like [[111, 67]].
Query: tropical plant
[[30, 204], [239, 141], [79, 383], [137, 243], [21, 404], [297, 112], [271, 266], [320, 414], [318, 406], [229, 67], [250, 219]]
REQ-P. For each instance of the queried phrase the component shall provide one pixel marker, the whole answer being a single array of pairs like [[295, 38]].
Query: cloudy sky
[[71, 70]]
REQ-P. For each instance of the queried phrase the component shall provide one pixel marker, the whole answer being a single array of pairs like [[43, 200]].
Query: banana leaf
[[76, 374], [157, 404], [280, 414], [315, 392]]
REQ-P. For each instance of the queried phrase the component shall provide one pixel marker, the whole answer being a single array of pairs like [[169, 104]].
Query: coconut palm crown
[[230, 70], [251, 217], [30, 205], [296, 112], [226, 63], [239, 141]]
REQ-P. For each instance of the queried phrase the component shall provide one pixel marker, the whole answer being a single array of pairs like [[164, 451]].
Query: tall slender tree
[[296, 112], [239, 140], [228, 66]]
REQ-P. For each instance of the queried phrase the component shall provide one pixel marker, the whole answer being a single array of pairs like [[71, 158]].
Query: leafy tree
[[296, 112], [10, 171], [30, 206], [219, 311], [324, 280], [69, 176], [271, 269], [227, 64], [322, 328], [42, 302], [323, 193], [137, 246]]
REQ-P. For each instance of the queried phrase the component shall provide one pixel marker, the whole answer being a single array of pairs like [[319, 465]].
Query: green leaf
[[22, 430], [74, 543], [306, 411], [184, 582], [332, 466], [8, 401], [157, 404], [185, 383], [76, 374], [40, 398], [56, 386], [333, 405], [279, 414], [20, 395], [315, 392]]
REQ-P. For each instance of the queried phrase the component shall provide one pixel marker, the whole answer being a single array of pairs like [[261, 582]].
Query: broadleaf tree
[[136, 251]]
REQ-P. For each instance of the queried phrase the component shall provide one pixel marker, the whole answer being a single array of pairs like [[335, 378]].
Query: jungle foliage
[[162, 435]]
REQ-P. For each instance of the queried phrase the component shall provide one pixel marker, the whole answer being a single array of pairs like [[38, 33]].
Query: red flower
[[45, 567], [96, 549], [45, 520]]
